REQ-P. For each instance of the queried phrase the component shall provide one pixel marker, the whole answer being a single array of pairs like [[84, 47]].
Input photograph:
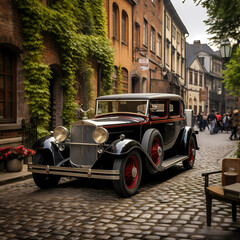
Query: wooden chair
[[230, 174]]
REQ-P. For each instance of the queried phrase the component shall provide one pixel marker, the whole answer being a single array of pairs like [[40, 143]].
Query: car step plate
[[172, 161]]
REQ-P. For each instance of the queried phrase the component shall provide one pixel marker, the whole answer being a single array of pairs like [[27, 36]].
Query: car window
[[158, 109], [115, 106], [174, 108]]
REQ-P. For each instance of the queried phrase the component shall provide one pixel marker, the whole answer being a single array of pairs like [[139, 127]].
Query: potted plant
[[13, 157]]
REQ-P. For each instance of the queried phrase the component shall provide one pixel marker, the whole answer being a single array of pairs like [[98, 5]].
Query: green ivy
[[80, 30]]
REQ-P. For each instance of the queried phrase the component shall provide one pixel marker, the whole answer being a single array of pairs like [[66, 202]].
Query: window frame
[[124, 27], [152, 39], [145, 32], [115, 24], [5, 90]]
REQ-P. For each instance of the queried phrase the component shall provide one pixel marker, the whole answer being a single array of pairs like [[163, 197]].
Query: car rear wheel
[[44, 181], [130, 169], [189, 163], [153, 144]]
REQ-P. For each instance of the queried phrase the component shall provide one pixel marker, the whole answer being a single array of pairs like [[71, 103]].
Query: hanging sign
[[144, 63]]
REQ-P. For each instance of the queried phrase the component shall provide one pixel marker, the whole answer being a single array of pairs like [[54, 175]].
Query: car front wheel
[[130, 168], [44, 181], [188, 164]]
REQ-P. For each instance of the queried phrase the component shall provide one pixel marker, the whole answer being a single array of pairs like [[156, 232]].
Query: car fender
[[187, 133], [123, 147], [47, 147]]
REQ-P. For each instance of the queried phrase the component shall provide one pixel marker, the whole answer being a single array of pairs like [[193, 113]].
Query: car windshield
[[116, 106]]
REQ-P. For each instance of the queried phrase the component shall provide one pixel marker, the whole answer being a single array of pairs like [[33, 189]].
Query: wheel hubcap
[[131, 172], [156, 151], [191, 152]]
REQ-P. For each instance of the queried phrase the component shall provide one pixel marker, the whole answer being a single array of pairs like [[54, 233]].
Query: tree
[[223, 19], [224, 22], [232, 74]]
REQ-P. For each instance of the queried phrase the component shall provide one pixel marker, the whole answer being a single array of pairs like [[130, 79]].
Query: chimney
[[197, 42]]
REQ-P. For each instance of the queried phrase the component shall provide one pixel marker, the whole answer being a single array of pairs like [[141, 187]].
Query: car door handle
[[170, 124]]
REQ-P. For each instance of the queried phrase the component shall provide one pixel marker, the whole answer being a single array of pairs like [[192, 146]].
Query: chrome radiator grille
[[81, 150]]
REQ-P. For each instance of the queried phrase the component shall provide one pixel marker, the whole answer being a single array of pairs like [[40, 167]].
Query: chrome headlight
[[60, 134], [100, 135]]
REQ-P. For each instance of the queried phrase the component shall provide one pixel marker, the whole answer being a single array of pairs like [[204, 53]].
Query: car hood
[[111, 121]]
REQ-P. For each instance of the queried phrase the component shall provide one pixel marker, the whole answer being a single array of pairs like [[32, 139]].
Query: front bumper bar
[[75, 172]]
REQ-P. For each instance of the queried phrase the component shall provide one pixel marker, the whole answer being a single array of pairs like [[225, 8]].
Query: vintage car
[[130, 133]]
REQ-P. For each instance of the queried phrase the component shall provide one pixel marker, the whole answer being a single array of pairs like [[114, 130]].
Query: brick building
[[13, 103]]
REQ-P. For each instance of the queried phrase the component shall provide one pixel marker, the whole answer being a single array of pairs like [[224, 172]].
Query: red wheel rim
[[191, 151], [156, 147], [131, 172]]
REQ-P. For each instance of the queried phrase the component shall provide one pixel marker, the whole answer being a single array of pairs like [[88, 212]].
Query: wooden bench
[[230, 174]]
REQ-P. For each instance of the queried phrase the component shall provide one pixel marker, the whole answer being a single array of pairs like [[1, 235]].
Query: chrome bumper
[[75, 172]]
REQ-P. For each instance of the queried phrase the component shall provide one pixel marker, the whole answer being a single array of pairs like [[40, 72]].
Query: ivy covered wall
[[79, 27]]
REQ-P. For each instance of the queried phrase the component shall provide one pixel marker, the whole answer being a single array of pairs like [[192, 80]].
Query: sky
[[192, 17]]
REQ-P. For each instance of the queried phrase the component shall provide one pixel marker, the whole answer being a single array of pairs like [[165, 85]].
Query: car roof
[[140, 96]]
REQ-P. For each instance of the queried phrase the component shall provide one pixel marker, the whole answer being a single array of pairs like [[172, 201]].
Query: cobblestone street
[[168, 206]]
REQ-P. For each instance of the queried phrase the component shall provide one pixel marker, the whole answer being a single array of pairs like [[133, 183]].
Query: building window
[[178, 38], [201, 59], [145, 32], [173, 60], [115, 21], [152, 39], [7, 86], [190, 77], [124, 27], [167, 54], [200, 80], [173, 32], [168, 23], [195, 79], [159, 45], [124, 80], [137, 35], [178, 64]]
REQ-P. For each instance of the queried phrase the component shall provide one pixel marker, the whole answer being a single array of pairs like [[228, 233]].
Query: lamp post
[[225, 50]]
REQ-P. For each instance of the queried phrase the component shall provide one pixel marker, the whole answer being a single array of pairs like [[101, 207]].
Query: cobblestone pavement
[[168, 206]]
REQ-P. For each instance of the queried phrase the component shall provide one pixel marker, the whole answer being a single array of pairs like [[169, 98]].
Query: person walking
[[211, 121], [200, 121], [234, 120], [205, 124], [225, 121]]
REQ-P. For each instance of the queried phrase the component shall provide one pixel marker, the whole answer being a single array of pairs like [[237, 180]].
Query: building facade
[[196, 86], [120, 32], [206, 80], [174, 51]]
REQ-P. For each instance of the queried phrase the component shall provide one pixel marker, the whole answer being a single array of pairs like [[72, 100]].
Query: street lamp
[[225, 49]]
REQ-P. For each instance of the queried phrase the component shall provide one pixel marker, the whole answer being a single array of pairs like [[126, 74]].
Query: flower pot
[[1, 166], [14, 165]]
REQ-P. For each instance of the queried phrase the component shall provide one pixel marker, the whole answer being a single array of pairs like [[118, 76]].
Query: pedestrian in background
[[234, 120], [205, 124], [219, 121], [212, 119], [225, 121], [200, 121]]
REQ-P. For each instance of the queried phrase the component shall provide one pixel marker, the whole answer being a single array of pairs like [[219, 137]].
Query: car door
[[174, 122], [159, 117]]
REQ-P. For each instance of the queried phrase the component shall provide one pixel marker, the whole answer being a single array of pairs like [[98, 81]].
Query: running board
[[172, 161]]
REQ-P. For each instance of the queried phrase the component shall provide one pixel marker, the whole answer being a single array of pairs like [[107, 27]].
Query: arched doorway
[[56, 97], [135, 85]]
